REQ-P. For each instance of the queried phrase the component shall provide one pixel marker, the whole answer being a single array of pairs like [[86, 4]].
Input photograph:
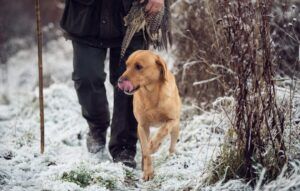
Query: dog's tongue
[[126, 86]]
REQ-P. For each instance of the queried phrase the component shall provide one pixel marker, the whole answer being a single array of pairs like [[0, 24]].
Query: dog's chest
[[153, 115]]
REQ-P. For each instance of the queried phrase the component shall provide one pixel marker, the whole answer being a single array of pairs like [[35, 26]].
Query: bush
[[201, 51], [285, 33], [204, 71], [259, 121]]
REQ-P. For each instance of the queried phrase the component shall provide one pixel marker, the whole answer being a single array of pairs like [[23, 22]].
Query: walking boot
[[126, 157], [95, 142]]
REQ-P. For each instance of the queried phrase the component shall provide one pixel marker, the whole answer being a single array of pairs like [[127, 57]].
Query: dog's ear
[[164, 70]]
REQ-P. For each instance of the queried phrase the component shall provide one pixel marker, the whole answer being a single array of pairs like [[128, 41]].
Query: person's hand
[[154, 6]]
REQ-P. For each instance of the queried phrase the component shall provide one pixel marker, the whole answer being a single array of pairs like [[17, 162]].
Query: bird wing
[[156, 26]]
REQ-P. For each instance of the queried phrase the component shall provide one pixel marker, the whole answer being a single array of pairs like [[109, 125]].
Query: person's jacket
[[96, 22]]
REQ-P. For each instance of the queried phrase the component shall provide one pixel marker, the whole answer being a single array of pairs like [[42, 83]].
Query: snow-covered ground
[[66, 159]]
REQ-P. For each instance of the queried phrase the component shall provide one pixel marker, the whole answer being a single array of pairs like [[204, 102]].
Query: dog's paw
[[172, 152], [148, 175], [153, 146]]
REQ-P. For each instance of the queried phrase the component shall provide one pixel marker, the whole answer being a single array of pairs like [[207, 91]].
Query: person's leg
[[89, 77], [122, 145]]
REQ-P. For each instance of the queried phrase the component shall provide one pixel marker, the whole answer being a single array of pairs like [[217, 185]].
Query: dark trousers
[[89, 78]]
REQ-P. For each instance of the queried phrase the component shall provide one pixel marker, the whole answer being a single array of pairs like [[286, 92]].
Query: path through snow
[[23, 168]]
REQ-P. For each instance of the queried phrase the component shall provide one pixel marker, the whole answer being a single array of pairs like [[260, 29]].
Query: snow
[[24, 168], [65, 151]]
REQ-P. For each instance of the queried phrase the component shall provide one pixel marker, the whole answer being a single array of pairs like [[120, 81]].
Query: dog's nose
[[121, 83], [122, 79]]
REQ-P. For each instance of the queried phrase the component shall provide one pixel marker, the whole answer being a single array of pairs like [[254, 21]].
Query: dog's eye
[[138, 67]]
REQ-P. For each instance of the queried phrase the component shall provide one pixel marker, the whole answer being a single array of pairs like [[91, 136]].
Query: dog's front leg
[[147, 167], [162, 132]]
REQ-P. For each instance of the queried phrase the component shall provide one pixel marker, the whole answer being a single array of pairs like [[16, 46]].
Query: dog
[[156, 102]]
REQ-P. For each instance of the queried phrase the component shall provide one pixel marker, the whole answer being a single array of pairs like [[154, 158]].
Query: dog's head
[[143, 68]]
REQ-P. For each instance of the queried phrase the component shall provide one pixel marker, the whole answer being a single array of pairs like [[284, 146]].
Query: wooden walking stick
[[40, 70]]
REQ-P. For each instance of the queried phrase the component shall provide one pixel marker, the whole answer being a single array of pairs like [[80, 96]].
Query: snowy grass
[[67, 165]]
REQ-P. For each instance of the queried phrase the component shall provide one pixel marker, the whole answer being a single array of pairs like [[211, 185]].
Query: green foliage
[[84, 177], [107, 183], [129, 174], [229, 164], [80, 176]]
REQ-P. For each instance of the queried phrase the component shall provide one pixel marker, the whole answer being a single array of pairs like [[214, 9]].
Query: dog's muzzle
[[126, 86]]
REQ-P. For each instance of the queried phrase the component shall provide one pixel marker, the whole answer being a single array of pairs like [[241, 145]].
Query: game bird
[[156, 27]]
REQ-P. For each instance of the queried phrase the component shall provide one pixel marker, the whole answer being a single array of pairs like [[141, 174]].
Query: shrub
[[204, 71], [201, 51], [259, 121], [285, 33]]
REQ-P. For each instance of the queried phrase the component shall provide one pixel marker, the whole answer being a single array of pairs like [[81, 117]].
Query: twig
[[40, 71]]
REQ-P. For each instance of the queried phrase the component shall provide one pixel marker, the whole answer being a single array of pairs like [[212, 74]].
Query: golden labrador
[[156, 102]]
